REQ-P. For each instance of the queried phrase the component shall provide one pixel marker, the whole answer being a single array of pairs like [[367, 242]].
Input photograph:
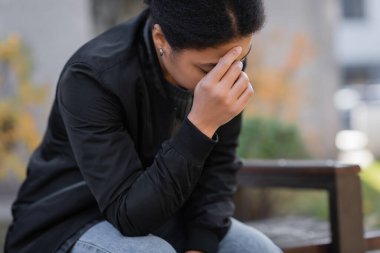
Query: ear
[[159, 39]]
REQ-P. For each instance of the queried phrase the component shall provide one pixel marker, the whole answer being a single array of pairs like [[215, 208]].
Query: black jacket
[[108, 153]]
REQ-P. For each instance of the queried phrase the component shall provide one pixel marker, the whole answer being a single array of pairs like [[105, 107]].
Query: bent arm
[[210, 206], [134, 199]]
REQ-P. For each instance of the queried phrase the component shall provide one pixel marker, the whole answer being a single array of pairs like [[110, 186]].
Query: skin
[[221, 89], [188, 66]]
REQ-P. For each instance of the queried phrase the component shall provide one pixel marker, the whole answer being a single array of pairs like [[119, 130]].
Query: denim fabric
[[104, 238], [245, 239]]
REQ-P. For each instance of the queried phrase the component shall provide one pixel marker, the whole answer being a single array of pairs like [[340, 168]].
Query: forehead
[[213, 54]]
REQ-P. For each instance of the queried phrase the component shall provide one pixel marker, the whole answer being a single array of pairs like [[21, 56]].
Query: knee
[[264, 245], [158, 245], [148, 244], [255, 243], [245, 239], [103, 237]]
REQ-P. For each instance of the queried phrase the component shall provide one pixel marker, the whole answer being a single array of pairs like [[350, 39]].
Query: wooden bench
[[343, 187]]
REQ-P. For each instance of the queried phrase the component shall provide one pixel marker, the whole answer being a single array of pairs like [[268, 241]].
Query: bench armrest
[[294, 173], [341, 181]]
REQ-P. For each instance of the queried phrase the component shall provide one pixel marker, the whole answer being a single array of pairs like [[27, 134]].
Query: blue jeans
[[104, 238]]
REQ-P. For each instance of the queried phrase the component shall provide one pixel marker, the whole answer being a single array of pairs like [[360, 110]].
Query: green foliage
[[314, 203], [370, 178], [296, 202], [264, 138]]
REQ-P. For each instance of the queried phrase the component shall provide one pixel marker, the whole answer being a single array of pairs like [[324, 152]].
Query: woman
[[139, 153]]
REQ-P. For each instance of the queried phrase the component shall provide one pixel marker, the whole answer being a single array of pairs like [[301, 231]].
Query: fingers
[[224, 64], [240, 85], [244, 98], [234, 72]]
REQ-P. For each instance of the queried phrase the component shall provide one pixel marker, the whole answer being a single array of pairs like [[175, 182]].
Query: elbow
[[116, 214], [131, 232]]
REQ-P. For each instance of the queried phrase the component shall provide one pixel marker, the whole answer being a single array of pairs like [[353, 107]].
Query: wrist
[[206, 129]]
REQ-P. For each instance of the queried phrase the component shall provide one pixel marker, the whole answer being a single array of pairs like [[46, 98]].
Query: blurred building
[[339, 49], [335, 39], [298, 38], [358, 53], [357, 41], [51, 31]]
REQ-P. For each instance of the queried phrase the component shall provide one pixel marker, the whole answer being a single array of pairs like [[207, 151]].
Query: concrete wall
[[358, 40], [51, 29], [318, 76]]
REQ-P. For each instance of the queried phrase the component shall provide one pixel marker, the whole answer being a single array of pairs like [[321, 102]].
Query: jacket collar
[[153, 72]]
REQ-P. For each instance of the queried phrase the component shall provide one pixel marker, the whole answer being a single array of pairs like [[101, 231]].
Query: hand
[[221, 95]]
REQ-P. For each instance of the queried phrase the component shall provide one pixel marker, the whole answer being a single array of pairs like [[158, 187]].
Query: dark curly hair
[[199, 24]]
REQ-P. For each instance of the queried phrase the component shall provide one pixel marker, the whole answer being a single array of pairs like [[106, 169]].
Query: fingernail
[[240, 64], [238, 50]]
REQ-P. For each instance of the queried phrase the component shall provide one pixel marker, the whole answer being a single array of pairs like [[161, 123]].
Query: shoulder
[[115, 46], [109, 60]]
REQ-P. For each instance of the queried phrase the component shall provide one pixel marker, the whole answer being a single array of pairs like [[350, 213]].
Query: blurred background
[[315, 68]]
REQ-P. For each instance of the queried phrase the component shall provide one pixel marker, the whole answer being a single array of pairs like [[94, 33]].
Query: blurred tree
[[19, 134], [279, 92], [278, 98], [266, 138]]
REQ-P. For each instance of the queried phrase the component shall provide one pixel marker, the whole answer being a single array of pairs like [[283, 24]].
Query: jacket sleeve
[[136, 200], [210, 206]]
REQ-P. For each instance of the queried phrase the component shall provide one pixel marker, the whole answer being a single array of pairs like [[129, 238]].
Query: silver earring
[[161, 51]]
